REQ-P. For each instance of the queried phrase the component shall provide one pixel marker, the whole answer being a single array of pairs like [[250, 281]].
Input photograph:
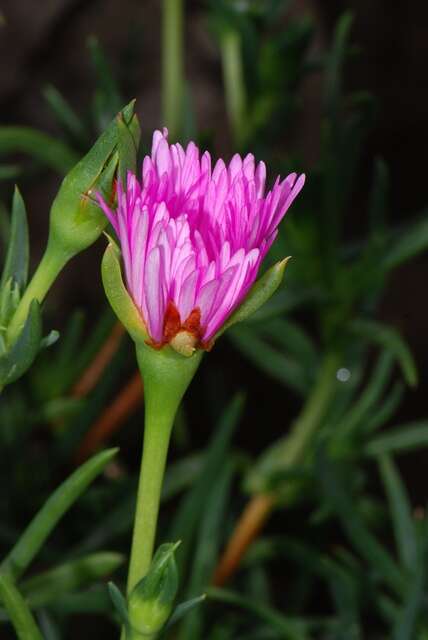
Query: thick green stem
[[172, 65], [234, 85], [19, 613], [157, 431], [166, 377], [51, 264]]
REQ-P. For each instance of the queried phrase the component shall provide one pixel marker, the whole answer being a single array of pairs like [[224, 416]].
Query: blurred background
[[306, 68], [52, 44]]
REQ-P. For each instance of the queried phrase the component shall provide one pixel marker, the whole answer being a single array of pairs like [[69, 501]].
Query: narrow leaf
[[45, 587], [35, 535], [400, 508], [15, 362], [19, 613], [390, 339], [38, 145], [17, 257], [370, 549], [64, 113], [405, 438]]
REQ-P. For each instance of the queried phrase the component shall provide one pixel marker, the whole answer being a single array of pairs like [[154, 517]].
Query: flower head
[[193, 237]]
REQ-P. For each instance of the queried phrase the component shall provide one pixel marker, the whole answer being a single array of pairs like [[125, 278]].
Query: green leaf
[[259, 293], [414, 605], [289, 628], [38, 145], [362, 408], [48, 626], [294, 340], [19, 613], [107, 99], [193, 504], [65, 114], [50, 339], [335, 63], [379, 417], [207, 547], [35, 535], [181, 475], [17, 257], [390, 339], [406, 243], [352, 523], [344, 584], [20, 356], [9, 171], [45, 587], [400, 508], [287, 370], [404, 438]]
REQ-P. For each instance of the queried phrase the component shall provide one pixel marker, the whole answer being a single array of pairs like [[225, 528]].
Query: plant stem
[[49, 267], [172, 65], [157, 431], [234, 85], [166, 377], [290, 452], [19, 613]]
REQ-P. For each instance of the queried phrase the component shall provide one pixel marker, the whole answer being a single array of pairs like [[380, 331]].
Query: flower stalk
[[47, 271], [166, 377]]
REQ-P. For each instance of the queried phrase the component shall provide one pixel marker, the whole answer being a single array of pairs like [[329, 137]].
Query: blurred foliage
[[349, 558]]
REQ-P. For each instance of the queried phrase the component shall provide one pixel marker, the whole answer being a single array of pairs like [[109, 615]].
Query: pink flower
[[193, 237]]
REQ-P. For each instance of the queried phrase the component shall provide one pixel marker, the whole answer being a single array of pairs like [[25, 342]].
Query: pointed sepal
[[259, 293], [119, 298]]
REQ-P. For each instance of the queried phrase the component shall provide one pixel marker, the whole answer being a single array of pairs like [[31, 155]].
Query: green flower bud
[[151, 602], [76, 220]]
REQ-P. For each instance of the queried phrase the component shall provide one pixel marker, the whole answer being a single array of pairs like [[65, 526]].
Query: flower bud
[[152, 599], [76, 220]]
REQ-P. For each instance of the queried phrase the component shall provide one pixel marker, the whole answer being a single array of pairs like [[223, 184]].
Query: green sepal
[[17, 257], [119, 298], [23, 351], [128, 141], [76, 219], [119, 603], [151, 601], [259, 293], [182, 609]]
